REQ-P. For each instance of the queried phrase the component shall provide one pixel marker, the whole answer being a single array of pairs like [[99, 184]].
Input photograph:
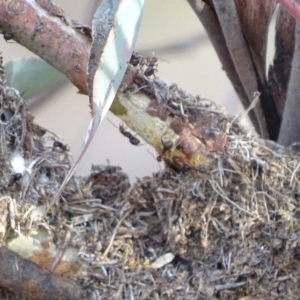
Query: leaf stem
[[293, 7]]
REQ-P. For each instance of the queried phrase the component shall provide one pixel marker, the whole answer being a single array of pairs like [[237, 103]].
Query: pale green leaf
[[32, 76], [115, 29]]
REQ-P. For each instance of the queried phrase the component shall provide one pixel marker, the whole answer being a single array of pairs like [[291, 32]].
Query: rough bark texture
[[290, 130], [292, 7], [58, 49], [50, 36], [243, 29], [181, 120], [225, 230], [25, 277], [240, 55], [279, 72], [65, 44], [255, 17], [209, 20], [238, 31]]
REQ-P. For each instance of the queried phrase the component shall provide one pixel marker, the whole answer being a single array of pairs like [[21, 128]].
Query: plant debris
[[228, 230]]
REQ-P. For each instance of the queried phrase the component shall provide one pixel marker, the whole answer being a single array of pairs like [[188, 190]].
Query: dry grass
[[229, 230]]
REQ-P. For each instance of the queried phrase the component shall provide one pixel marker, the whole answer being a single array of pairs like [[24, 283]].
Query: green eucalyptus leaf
[[32, 76], [115, 28]]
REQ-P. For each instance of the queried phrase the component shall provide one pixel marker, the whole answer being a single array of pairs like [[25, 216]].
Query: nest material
[[229, 231]]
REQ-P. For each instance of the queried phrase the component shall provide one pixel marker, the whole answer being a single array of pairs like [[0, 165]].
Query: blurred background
[[188, 59]]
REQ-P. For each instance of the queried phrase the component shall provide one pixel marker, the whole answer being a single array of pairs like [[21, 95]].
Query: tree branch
[[279, 71], [238, 31], [240, 55], [290, 128], [21, 275], [292, 7], [150, 107], [48, 37], [221, 22], [212, 26]]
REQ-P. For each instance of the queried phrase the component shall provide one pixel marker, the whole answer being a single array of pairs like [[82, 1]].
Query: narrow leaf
[[32, 76], [115, 28], [255, 17], [235, 41], [279, 72], [206, 13], [290, 125], [293, 7]]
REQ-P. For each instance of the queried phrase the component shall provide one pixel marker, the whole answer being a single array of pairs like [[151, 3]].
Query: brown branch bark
[[279, 72], [240, 55], [292, 7], [290, 127], [255, 17], [223, 28], [212, 26], [47, 36], [238, 31], [22, 276]]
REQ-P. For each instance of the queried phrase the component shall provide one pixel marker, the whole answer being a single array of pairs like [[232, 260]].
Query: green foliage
[[32, 76]]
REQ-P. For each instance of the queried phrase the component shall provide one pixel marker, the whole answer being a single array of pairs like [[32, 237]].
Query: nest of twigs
[[226, 232]]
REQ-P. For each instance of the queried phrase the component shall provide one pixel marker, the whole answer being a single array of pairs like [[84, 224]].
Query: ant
[[14, 178], [166, 147], [58, 144], [7, 35], [136, 59], [151, 63], [133, 140]]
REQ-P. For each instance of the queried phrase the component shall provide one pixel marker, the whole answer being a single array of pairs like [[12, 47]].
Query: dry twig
[[22, 276]]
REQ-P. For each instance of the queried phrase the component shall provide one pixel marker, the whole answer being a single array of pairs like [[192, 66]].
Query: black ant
[[7, 35], [132, 139], [14, 178], [58, 144], [166, 147], [151, 63], [136, 59]]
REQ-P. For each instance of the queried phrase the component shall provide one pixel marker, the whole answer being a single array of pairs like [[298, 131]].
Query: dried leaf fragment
[[162, 261]]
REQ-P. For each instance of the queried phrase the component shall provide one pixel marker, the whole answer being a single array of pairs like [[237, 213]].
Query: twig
[[114, 234], [61, 251], [21, 275], [279, 71], [229, 286], [290, 126], [239, 52], [67, 50], [215, 187], [293, 8], [212, 26]]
